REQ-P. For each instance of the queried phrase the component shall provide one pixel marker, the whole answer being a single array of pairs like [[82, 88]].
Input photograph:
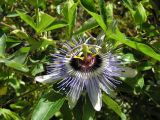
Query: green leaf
[[17, 59], [17, 66], [35, 44], [128, 58], [20, 34], [8, 115], [153, 94], [89, 4], [37, 3], [45, 42], [65, 11], [136, 83], [72, 13], [2, 45], [13, 14], [37, 69], [114, 106], [140, 82], [109, 13], [77, 110], [140, 15], [47, 106], [20, 55], [98, 18], [27, 19], [128, 4], [88, 111], [19, 105], [55, 25], [117, 35], [3, 91], [66, 112], [103, 11], [89, 24], [45, 21]]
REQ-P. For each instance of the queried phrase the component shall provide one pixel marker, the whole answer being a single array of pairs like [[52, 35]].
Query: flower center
[[87, 64]]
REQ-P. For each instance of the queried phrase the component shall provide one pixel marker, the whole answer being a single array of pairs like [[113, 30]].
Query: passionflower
[[82, 66]]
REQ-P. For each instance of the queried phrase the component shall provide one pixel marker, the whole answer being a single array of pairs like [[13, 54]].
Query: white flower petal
[[76, 88], [45, 78], [94, 94], [128, 72]]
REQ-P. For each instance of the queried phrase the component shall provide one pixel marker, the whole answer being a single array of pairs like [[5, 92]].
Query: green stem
[[37, 16]]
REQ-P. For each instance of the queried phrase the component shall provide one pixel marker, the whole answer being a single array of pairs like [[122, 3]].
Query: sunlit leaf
[[89, 24], [6, 114], [140, 15], [140, 82], [20, 55], [128, 58], [16, 65], [17, 59], [37, 3], [136, 45], [2, 45], [109, 13], [103, 11], [37, 69], [20, 34], [47, 106], [72, 13], [136, 84], [128, 4], [55, 25], [28, 19], [19, 105], [98, 18], [114, 106], [45, 43], [45, 21]]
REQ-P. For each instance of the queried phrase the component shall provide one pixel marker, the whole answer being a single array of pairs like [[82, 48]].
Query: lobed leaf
[[45, 21]]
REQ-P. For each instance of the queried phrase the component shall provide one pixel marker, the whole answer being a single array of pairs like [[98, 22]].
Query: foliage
[[31, 29]]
